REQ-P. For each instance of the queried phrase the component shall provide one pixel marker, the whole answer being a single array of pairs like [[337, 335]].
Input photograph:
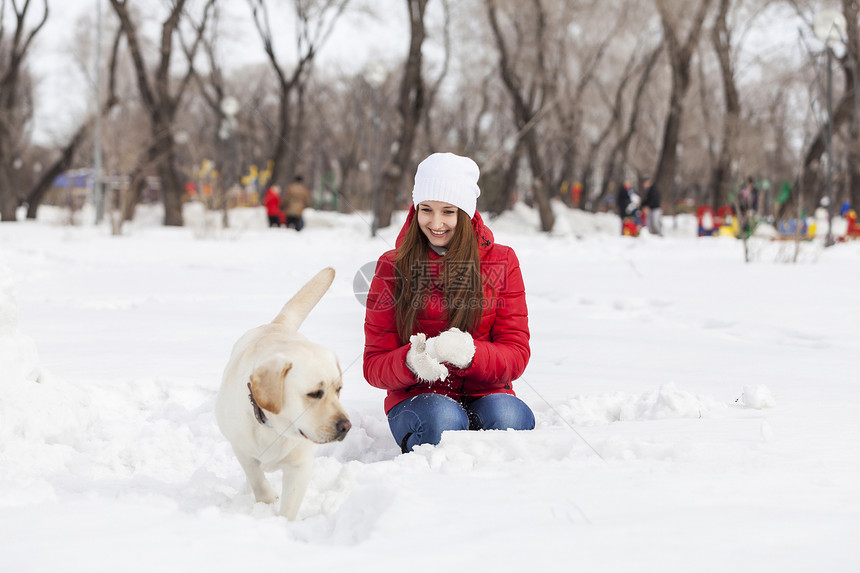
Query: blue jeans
[[422, 419]]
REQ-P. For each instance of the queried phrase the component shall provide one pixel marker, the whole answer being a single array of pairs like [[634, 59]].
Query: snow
[[694, 412]]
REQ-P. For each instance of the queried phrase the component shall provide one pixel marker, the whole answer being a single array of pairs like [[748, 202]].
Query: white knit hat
[[448, 178]]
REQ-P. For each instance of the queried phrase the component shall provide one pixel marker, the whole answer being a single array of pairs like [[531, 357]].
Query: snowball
[[758, 397]]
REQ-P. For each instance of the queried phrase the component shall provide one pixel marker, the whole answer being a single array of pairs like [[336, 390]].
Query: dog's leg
[[263, 491], [296, 477]]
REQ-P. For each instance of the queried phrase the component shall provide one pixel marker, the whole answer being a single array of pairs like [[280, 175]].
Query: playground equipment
[[724, 223], [707, 223], [631, 226]]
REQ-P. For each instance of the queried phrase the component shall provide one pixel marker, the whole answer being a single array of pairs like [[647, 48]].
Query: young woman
[[446, 328]]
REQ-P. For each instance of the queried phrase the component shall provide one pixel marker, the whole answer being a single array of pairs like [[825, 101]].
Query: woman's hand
[[454, 347], [422, 363]]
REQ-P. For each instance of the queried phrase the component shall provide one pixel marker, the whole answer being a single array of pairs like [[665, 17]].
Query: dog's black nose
[[342, 428]]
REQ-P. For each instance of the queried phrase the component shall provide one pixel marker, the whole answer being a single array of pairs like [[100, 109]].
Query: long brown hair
[[458, 273]]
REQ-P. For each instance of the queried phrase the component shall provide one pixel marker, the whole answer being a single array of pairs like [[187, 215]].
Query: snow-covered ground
[[694, 412]]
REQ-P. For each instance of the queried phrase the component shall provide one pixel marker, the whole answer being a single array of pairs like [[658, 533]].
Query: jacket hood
[[485, 236]]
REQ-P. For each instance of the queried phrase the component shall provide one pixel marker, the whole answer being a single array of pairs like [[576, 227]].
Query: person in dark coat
[[651, 207], [294, 200], [627, 203], [748, 197]]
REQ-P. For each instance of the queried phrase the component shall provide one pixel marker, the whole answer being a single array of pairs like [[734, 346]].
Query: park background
[[214, 100], [695, 395]]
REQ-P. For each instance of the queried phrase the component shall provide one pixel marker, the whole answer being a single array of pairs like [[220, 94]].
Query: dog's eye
[[316, 395]]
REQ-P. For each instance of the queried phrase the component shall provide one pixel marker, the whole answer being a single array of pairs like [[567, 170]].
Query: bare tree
[[161, 97], [349, 132], [531, 96], [14, 45], [537, 91], [680, 51], [410, 108], [851, 63], [722, 42], [315, 20], [69, 151], [845, 111], [577, 113], [616, 158], [214, 91], [432, 90]]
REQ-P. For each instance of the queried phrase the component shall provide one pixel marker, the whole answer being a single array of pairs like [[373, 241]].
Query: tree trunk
[[172, 190], [680, 54], [314, 27], [161, 102], [527, 108], [851, 11], [812, 158], [539, 186], [8, 192], [618, 154], [13, 58], [509, 181], [612, 125], [37, 193], [410, 108], [721, 173]]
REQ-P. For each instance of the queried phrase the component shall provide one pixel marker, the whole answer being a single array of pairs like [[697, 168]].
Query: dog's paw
[[263, 492], [270, 497]]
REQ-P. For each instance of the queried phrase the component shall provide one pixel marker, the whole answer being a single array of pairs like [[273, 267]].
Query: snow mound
[[18, 358], [667, 402], [758, 397], [34, 413]]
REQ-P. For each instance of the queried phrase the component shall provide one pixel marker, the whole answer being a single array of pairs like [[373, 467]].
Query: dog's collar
[[258, 412]]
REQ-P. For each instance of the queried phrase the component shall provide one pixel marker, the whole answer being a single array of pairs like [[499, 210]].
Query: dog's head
[[300, 389]]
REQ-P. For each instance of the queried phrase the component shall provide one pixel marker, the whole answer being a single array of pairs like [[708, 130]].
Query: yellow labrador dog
[[279, 399]]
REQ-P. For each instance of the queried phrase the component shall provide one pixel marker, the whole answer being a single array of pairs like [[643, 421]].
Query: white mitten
[[455, 347], [430, 347], [425, 366]]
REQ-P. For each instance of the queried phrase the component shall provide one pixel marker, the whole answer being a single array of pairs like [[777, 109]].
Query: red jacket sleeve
[[384, 355], [502, 355]]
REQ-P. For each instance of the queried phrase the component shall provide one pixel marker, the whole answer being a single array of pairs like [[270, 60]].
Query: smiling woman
[[446, 356], [437, 220]]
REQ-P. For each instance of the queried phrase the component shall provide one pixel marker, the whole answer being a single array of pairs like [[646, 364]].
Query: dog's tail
[[298, 307]]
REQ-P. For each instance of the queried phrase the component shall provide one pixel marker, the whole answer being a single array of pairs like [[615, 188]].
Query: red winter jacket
[[271, 200], [501, 339]]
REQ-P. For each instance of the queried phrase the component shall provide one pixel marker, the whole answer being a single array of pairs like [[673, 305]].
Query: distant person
[[628, 203], [651, 207], [294, 201], [748, 197], [272, 200]]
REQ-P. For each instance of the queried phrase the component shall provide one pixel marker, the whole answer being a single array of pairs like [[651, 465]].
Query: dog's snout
[[342, 427]]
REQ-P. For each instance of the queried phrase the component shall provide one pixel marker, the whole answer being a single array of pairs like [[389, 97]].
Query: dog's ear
[[267, 383]]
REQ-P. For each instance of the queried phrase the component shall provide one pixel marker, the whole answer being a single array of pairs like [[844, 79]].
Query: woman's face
[[437, 221]]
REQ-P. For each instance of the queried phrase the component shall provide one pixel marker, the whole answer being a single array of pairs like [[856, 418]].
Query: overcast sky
[[63, 91]]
